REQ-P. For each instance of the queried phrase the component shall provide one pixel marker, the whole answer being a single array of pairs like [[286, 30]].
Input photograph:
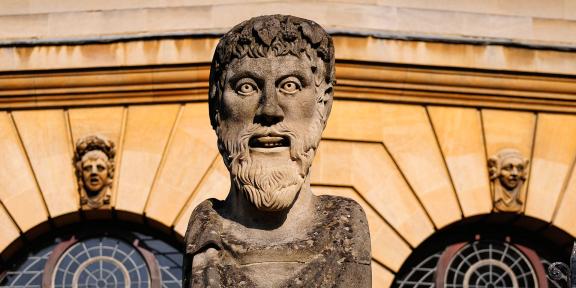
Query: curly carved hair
[[263, 36]]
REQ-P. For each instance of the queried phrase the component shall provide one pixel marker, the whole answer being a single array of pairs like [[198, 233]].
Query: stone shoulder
[[204, 227], [354, 233]]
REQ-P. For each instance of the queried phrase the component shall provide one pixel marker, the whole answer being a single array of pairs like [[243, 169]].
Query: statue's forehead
[[514, 159], [94, 155], [272, 61], [270, 65]]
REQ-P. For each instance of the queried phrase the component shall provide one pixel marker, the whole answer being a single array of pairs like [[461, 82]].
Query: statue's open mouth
[[269, 141], [94, 180]]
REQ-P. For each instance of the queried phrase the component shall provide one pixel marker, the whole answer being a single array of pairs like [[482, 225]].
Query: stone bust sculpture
[[508, 171], [271, 88], [94, 161]]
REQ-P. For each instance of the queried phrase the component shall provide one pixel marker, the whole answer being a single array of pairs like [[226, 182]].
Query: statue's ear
[[324, 89], [328, 99], [493, 167]]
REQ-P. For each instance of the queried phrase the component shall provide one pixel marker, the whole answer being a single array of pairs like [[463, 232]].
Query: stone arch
[[130, 242], [542, 243]]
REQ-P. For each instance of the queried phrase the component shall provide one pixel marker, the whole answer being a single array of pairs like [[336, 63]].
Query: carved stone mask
[[512, 172], [269, 107], [94, 171], [509, 167], [94, 161]]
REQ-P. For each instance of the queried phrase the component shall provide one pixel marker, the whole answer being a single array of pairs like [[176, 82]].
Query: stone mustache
[[271, 91]]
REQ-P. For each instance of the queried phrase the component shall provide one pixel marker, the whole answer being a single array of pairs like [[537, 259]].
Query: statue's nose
[[269, 111]]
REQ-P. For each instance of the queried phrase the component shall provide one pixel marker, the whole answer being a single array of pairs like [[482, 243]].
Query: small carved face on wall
[[508, 170], [94, 161], [94, 171], [512, 171], [509, 167]]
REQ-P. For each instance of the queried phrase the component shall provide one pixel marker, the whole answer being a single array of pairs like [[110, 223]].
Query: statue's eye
[[246, 88], [290, 86], [101, 168]]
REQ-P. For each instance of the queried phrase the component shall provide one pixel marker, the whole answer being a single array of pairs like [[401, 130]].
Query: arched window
[[99, 255], [485, 254]]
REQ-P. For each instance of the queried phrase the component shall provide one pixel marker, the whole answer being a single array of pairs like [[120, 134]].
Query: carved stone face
[[94, 171], [270, 126], [512, 172]]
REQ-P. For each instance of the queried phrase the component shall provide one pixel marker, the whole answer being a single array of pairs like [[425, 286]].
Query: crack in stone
[[272, 262]]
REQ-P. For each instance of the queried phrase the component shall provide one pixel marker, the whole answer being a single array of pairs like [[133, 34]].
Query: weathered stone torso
[[328, 253]]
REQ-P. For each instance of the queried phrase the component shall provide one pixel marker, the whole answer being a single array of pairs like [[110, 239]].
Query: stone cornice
[[356, 80], [105, 21], [437, 86], [104, 87], [199, 50]]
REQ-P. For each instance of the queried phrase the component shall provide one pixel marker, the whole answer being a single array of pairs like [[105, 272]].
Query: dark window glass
[[104, 261]]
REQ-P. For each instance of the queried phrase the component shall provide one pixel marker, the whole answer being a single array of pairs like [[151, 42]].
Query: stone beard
[[270, 186]]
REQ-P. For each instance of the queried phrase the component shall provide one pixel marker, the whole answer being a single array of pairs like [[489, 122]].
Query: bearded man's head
[[271, 89]]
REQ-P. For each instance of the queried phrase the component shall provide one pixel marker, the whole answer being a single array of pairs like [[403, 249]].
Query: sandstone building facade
[[431, 98]]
